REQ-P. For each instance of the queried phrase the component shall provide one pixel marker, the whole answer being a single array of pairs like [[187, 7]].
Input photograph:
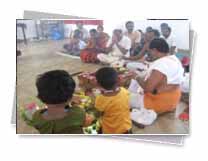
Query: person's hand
[[76, 100], [89, 118], [143, 61]]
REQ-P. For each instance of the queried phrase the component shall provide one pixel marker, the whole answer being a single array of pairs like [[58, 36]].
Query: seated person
[[167, 35], [94, 46], [143, 50], [154, 33], [118, 46], [140, 45], [55, 89], [104, 37], [76, 44], [138, 49], [134, 36], [80, 27], [161, 86], [113, 103], [148, 37]]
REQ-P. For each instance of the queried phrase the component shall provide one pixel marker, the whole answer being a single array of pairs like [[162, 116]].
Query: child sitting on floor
[[76, 44], [113, 102], [55, 89]]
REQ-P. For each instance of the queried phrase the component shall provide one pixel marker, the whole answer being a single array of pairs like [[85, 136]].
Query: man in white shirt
[[117, 47], [166, 34]]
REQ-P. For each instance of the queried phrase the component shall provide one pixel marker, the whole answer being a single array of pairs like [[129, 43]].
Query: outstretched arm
[[151, 84], [140, 55]]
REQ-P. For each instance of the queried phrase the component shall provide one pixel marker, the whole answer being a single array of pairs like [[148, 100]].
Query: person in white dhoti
[[117, 47], [140, 62], [160, 90], [162, 80]]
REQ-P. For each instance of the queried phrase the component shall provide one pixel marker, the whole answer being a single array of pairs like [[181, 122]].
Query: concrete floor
[[39, 57]]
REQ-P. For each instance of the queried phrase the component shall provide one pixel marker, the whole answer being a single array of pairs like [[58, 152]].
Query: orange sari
[[162, 102]]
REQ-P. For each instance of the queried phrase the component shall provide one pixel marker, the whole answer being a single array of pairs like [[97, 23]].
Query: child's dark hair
[[55, 87], [160, 44], [107, 77]]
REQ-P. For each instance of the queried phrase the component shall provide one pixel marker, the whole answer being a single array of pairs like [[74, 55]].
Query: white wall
[[30, 31]]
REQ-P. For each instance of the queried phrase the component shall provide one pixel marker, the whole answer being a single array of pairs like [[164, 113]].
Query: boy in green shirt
[[55, 89]]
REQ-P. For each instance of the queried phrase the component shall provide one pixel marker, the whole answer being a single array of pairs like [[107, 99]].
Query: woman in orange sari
[[96, 44], [102, 36], [161, 85]]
